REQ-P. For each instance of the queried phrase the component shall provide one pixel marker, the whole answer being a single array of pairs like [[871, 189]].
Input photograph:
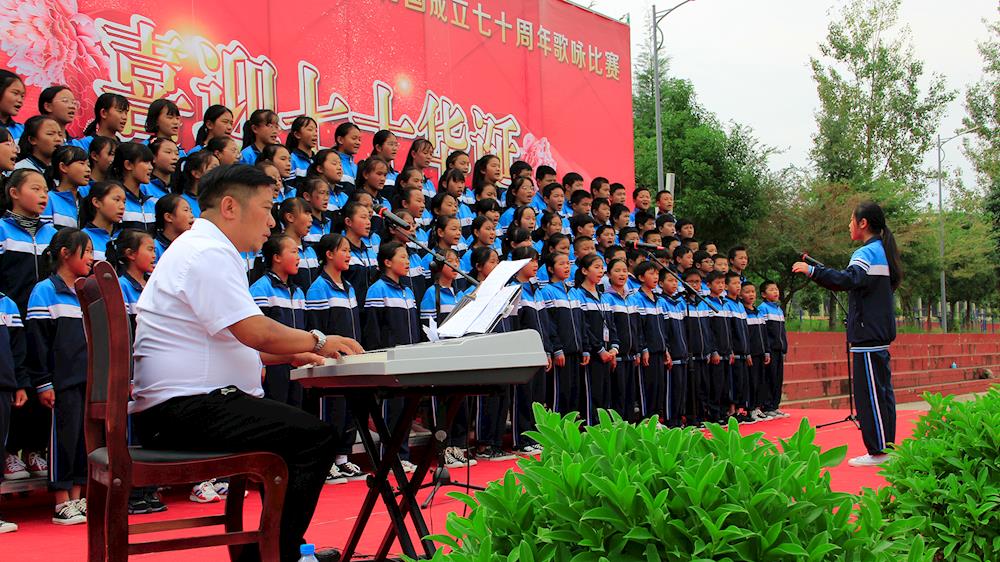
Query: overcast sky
[[749, 60]]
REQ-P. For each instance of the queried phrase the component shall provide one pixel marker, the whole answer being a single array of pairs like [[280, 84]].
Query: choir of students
[[620, 331]]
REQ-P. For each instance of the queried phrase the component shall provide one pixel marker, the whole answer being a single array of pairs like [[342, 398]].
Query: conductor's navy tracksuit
[[530, 314], [600, 336], [871, 327]]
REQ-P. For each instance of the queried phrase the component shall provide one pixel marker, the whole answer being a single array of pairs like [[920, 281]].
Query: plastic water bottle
[[307, 553]]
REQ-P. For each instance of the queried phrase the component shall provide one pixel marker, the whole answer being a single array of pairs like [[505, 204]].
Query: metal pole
[[944, 294], [656, 97]]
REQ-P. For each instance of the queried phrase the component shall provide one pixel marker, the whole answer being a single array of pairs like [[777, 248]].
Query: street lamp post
[[657, 18], [940, 157]]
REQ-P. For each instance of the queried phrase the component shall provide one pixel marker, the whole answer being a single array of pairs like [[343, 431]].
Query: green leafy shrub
[[621, 492], [948, 474]]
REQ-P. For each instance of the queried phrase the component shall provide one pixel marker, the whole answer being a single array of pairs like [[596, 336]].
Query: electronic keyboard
[[478, 360]]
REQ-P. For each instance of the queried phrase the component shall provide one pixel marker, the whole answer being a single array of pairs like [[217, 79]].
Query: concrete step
[[821, 387], [820, 352], [837, 368], [911, 394]]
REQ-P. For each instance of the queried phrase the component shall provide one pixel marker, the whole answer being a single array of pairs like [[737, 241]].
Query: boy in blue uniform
[[740, 372], [677, 376], [13, 378], [717, 397], [701, 350], [777, 341], [760, 354], [57, 364], [655, 353]]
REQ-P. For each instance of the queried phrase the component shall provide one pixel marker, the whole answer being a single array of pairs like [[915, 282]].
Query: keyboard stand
[[365, 406]]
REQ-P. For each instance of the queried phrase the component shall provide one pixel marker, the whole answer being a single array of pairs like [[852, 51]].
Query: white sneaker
[[335, 477], [781, 414], [454, 457], [204, 493], [408, 467], [81, 506], [7, 527], [15, 469], [772, 414], [868, 460], [757, 415], [68, 514], [37, 465]]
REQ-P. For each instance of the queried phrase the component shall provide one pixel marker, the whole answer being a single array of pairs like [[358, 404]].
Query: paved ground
[[924, 406]]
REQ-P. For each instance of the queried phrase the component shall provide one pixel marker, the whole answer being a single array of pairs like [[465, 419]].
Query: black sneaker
[[351, 471], [138, 506], [154, 502], [68, 514], [496, 454]]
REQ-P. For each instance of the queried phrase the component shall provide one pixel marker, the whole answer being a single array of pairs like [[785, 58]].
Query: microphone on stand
[[398, 222], [642, 246], [810, 260]]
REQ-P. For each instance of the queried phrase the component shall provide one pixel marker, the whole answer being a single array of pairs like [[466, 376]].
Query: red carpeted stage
[[39, 540]]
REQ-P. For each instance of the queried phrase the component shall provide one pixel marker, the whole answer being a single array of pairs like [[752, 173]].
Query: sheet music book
[[479, 312]]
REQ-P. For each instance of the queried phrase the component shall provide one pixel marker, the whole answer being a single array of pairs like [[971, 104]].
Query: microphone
[[810, 260], [642, 246], [395, 219]]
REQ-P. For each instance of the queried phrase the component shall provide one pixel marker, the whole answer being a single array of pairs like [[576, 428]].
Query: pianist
[[200, 343]]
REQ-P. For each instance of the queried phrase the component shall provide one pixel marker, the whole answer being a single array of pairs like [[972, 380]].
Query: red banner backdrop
[[545, 81]]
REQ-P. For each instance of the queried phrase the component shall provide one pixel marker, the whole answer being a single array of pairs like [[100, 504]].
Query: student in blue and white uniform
[[347, 144], [459, 160], [69, 172], [625, 315], [14, 380], [12, 92], [101, 155], [101, 212], [516, 238], [655, 352], [760, 353], [133, 167], [446, 234], [364, 262], [110, 119], [24, 236], [520, 217], [407, 181], [392, 319], [165, 159], [163, 121], [676, 375], [530, 314], [437, 303], [519, 196], [486, 175], [740, 370], [282, 300], [371, 180], [332, 308], [192, 169], [57, 365], [419, 156], [701, 348], [259, 130], [295, 219], [301, 142], [717, 397], [566, 318], [453, 183], [544, 175], [278, 156], [173, 218], [315, 191], [216, 123], [386, 146], [557, 243], [482, 235], [777, 344], [600, 337], [871, 277], [327, 166], [416, 278], [42, 136]]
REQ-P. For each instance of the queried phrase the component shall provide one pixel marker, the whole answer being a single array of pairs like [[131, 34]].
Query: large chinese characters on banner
[[540, 80]]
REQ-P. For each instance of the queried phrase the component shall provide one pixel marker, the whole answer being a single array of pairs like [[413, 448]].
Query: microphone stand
[[851, 415], [687, 288], [397, 223]]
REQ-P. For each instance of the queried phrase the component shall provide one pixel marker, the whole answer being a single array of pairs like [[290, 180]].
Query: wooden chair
[[115, 468]]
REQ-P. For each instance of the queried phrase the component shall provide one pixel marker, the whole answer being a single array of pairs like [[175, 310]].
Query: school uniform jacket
[[101, 240], [318, 229], [651, 321], [600, 334], [300, 163], [870, 305], [722, 332], [531, 314], [140, 212], [738, 326], [63, 209], [416, 278], [701, 343], [57, 346], [284, 303], [392, 315], [362, 269], [625, 315], [774, 318], [437, 303], [155, 189], [131, 290], [332, 308], [12, 347], [757, 335], [21, 262], [676, 332], [565, 316], [308, 268]]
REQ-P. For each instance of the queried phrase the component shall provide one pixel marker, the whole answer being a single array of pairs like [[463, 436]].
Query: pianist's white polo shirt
[[182, 344]]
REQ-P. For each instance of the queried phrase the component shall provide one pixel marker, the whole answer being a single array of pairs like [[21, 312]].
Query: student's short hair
[[239, 181], [617, 186], [681, 223], [626, 231], [602, 228], [544, 170], [713, 275], [767, 284], [718, 257], [272, 247], [686, 241], [662, 254], [730, 276], [578, 196], [600, 202], [681, 251], [166, 204], [749, 283], [734, 249], [570, 178], [597, 182], [633, 255], [617, 209], [637, 191], [701, 255], [549, 189], [519, 166], [580, 221], [580, 241], [661, 193], [642, 268], [612, 250], [691, 272], [663, 219], [642, 217], [649, 234]]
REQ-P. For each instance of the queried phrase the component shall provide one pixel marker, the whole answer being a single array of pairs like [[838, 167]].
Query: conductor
[[871, 278], [201, 342]]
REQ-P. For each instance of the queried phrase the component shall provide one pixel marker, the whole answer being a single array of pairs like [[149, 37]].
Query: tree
[[875, 122], [720, 171]]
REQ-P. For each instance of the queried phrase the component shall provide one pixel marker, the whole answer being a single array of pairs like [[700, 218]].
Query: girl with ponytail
[[110, 119], [872, 276]]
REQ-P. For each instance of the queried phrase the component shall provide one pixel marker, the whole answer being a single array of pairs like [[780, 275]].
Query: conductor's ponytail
[[872, 212]]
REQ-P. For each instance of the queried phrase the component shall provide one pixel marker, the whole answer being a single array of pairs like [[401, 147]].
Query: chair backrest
[[109, 358]]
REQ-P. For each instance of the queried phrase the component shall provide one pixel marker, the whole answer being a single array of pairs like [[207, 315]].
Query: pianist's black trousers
[[230, 420], [491, 421], [522, 418]]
